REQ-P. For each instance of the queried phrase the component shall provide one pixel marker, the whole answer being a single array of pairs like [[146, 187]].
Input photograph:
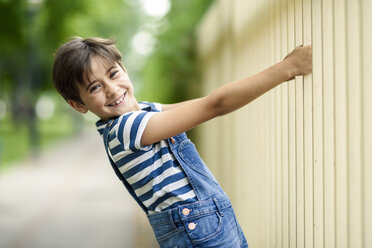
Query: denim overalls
[[209, 222]]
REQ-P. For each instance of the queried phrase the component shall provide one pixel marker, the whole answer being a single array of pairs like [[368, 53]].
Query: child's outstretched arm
[[227, 98], [167, 107]]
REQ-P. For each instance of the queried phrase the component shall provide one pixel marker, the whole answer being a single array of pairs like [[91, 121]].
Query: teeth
[[118, 101]]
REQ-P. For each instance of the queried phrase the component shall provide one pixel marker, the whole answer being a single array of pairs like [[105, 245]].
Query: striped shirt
[[152, 171]]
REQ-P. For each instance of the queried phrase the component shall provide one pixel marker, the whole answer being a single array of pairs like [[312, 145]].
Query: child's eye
[[112, 74], [94, 88]]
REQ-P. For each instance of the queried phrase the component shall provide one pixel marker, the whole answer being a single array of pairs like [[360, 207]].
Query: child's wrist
[[289, 69]]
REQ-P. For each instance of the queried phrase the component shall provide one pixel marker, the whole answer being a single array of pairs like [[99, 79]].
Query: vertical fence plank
[[341, 124], [234, 156], [299, 106], [278, 129], [272, 134], [328, 108], [261, 110], [354, 122], [318, 122], [366, 10], [308, 133], [277, 165], [292, 134], [256, 135], [284, 114], [264, 116]]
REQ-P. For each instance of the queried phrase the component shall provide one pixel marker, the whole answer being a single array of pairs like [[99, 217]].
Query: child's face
[[108, 92]]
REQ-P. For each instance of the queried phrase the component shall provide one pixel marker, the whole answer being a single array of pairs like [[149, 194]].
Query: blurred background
[[296, 163], [40, 203]]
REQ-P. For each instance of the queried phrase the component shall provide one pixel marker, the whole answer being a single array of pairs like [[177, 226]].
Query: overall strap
[[116, 169]]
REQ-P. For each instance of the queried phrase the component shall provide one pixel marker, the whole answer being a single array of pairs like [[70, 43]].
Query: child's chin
[[116, 114]]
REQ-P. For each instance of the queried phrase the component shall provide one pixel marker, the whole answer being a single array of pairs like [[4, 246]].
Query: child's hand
[[299, 61]]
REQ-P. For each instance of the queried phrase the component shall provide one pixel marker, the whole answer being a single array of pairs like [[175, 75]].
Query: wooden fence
[[297, 162]]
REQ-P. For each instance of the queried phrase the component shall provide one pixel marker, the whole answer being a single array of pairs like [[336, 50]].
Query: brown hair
[[72, 63]]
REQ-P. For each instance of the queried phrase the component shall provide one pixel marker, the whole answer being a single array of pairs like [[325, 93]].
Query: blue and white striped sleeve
[[151, 106], [130, 129], [158, 107]]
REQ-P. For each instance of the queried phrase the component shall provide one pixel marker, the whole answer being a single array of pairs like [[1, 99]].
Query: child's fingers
[[301, 52]]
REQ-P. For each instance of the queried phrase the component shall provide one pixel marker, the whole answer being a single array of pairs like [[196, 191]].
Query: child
[[147, 146]]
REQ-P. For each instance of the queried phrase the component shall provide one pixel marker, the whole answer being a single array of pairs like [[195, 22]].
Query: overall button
[[191, 226], [186, 211]]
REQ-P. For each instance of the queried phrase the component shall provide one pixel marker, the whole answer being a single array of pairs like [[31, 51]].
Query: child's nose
[[111, 90]]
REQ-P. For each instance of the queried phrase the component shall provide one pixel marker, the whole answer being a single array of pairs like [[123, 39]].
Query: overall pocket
[[203, 228], [215, 230]]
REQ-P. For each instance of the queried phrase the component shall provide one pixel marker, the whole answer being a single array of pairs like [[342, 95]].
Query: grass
[[15, 140]]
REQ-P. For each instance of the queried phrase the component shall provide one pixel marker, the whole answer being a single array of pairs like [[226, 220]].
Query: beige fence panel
[[297, 162], [308, 133], [354, 122], [366, 34], [341, 154]]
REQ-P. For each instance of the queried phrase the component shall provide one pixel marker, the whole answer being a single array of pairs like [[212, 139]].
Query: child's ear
[[78, 106]]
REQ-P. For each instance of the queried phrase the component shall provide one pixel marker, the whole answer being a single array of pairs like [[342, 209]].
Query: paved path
[[69, 198]]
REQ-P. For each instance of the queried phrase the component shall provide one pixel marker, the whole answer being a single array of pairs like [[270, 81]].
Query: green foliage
[[13, 40], [15, 142], [171, 74]]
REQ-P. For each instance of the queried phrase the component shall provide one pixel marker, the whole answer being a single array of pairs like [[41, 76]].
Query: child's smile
[[119, 101]]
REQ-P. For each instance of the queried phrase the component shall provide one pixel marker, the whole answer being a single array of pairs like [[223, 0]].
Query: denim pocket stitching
[[209, 237]]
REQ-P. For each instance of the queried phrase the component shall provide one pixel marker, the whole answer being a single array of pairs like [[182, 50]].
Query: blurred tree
[[171, 73], [30, 32], [13, 42]]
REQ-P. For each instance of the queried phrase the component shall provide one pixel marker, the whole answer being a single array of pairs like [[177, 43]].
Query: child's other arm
[[226, 98]]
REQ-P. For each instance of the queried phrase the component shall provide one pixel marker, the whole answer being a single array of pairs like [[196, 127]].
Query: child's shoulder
[[135, 117], [128, 117]]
